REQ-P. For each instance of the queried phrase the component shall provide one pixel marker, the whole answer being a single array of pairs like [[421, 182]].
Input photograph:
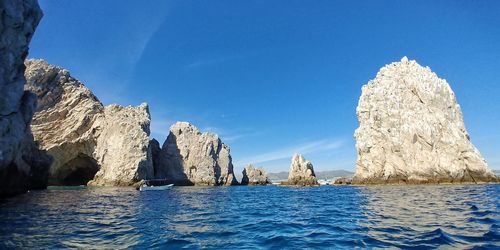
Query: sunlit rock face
[[90, 143], [411, 130], [123, 146], [254, 176], [22, 165], [189, 157], [301, 172]]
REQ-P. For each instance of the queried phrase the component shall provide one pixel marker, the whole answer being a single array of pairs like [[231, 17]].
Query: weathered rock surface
[[22, 165], [301, 172], [412, 131], [343, 181], [254, 176], [189, 157], [123, 146], [89, 142]]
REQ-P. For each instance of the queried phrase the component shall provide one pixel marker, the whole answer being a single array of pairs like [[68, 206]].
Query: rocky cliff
[[90, 143], [123, 146], [254, 176], [189, 157], [411, 130], [22, 165], [301, 172]]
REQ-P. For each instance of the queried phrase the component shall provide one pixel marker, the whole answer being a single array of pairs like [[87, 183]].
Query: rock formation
[[106, 146], [22, 165], [123, 146], [189, 157], [411, 130], [343, 181], [254, 176], [301, 172]]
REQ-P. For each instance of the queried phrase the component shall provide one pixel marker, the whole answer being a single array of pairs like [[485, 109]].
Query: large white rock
[[89, 142], [189, 157], [254, 176], [22, 165], [301, 172], [123, 146], [411, 130]]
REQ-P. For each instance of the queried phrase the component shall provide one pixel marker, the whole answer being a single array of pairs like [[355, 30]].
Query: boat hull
[[155, 188]]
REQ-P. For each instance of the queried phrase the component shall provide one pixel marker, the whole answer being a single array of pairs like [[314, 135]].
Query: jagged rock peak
[[411, 130], [191, 157], [301, 172], [254, 176], [66, 110], [91, 144]]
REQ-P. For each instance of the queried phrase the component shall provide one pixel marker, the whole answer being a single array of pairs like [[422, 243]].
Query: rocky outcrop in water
[[301, 172], [22, 165], [343, 181], [106, 146], [123, 146], [189, 157], [254, 176], [411, 130]]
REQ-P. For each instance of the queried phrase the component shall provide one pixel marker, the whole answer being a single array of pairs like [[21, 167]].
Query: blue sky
[[274, 78]]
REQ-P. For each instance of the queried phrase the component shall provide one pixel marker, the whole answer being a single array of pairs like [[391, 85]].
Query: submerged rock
[[189, 157], [301, 172], [254, 176], [22, 165], [91, 144], [411, 130]]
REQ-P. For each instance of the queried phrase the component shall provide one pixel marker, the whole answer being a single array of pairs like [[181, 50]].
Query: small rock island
[[190, 157], [301, 173], [254, 176]]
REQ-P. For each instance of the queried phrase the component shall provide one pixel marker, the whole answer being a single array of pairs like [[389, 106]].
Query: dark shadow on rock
[[77, 171], [40, 162], [13, 180], [244, 179], [217, 168], [154, 147], [170, 166]]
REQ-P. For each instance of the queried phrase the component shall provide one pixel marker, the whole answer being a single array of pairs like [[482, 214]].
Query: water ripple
[[272, 217]]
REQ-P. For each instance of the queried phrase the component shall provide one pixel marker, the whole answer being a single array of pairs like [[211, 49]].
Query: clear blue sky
[[274, 77]]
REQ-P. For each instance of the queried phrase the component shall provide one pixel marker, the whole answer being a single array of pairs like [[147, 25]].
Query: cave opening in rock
[[78, 171]]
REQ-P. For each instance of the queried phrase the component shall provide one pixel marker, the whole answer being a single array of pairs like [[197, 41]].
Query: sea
[[255, 217]]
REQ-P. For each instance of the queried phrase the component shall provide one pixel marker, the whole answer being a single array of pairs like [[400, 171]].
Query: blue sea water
[[267, 217]]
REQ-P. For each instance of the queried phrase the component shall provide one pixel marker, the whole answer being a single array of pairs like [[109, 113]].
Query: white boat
[[155, 188], [324, 182]]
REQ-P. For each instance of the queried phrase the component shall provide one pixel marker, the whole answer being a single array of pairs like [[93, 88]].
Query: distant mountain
[[333, 173], [278, 176], [320, 175]]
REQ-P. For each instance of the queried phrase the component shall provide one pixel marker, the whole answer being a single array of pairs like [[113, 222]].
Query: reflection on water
[[255, 217]]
